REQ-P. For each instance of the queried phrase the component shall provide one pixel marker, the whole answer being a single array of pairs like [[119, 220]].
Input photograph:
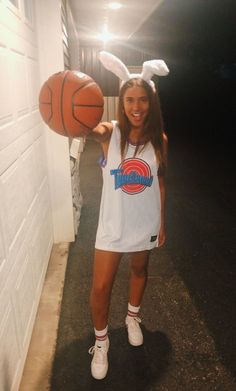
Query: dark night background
[[197, 39]]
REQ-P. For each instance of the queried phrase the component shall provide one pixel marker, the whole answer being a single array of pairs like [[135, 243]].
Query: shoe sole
[[99, 377], [135, 344]]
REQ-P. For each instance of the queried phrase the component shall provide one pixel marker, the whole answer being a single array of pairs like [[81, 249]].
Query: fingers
[[161, 240]]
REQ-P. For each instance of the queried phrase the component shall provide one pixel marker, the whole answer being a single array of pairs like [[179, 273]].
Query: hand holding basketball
[[71, 103]]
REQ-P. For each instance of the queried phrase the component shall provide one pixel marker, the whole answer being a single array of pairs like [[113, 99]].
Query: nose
[[136, 105]]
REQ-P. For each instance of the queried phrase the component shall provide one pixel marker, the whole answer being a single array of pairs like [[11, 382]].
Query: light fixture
[[115, 5], [105, 35]]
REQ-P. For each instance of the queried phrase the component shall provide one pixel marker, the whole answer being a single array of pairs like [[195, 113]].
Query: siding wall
[[65, 38], [90, 64], [71, 61], [26, 233], [110, 108], [35, 178], [51, 58]]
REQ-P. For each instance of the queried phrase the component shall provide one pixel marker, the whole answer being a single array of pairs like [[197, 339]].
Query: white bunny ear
[[154, 67], [150, 68], [115, 65]]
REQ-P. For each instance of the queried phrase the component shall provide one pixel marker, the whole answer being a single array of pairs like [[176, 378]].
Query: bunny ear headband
[[150, 68]]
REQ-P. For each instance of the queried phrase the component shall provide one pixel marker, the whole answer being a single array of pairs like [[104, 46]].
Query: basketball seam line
[[78, 120], [84, 85], [50, 103]]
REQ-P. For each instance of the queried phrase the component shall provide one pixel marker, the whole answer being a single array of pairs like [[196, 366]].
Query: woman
[[131, 216]]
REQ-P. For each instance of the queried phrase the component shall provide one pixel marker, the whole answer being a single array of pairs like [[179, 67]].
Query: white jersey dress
[[130, 209]]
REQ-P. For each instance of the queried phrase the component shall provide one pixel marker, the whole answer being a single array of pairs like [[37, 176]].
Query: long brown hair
[[153, 127]]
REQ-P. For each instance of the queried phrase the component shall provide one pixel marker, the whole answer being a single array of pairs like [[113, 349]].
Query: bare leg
[[138, 277], [105, 267]]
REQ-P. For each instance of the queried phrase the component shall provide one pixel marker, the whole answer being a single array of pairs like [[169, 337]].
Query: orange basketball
[[71, 103]]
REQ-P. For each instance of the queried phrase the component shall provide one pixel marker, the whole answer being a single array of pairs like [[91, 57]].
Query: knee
[[100, 291]]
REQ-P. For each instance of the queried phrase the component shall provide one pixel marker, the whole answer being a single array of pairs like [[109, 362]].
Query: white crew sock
[[132, 310], [101, 336]]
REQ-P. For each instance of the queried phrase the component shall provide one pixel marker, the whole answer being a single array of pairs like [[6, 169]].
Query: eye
[[144, 99]]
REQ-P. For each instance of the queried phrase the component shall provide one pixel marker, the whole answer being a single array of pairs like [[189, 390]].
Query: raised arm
[[102, 132]]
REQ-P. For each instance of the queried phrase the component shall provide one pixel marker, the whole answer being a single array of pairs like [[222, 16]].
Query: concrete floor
[[38, 366]]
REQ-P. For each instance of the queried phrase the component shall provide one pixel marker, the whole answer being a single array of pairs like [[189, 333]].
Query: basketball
[[71, 103]]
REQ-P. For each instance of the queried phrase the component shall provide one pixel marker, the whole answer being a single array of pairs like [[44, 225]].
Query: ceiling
[[179, 31], [92, 15]]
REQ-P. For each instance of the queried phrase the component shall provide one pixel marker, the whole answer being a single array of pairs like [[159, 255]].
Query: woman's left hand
[[162, 236]]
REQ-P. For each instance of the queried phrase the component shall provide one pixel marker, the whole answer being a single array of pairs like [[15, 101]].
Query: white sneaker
[[135, 335], [99, 364]]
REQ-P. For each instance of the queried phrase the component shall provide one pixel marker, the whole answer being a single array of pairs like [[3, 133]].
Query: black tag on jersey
[[153, 238]]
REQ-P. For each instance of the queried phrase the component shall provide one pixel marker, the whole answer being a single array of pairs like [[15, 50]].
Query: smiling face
[[136, 106]]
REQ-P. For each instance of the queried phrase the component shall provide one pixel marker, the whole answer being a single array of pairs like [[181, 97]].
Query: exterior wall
[[90, 64], [71, 43], [110, 108], [51, 59], [26, 231], [65, 38], [73, 40], [35, 180]]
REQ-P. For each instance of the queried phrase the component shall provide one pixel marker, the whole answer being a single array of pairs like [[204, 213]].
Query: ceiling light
[[114, 5], [105, 35]]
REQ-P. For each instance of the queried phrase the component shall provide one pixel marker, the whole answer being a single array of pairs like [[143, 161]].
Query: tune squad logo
[[132, 176]]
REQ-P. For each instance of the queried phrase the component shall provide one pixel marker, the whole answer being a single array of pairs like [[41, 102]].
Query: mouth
[[137, 115]]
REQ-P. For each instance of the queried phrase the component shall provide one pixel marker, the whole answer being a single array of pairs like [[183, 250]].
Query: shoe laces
[[136, 318], [133, 321], [99, 352]]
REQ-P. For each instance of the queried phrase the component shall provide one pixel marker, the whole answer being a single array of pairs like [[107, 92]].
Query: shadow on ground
[[130, 368]]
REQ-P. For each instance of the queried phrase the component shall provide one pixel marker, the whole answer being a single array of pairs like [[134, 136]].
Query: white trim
[[48, 21]]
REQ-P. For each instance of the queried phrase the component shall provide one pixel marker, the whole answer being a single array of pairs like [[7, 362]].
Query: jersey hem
[[126, 250]]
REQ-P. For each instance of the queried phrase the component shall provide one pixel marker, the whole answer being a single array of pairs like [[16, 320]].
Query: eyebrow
[[140, 97]]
